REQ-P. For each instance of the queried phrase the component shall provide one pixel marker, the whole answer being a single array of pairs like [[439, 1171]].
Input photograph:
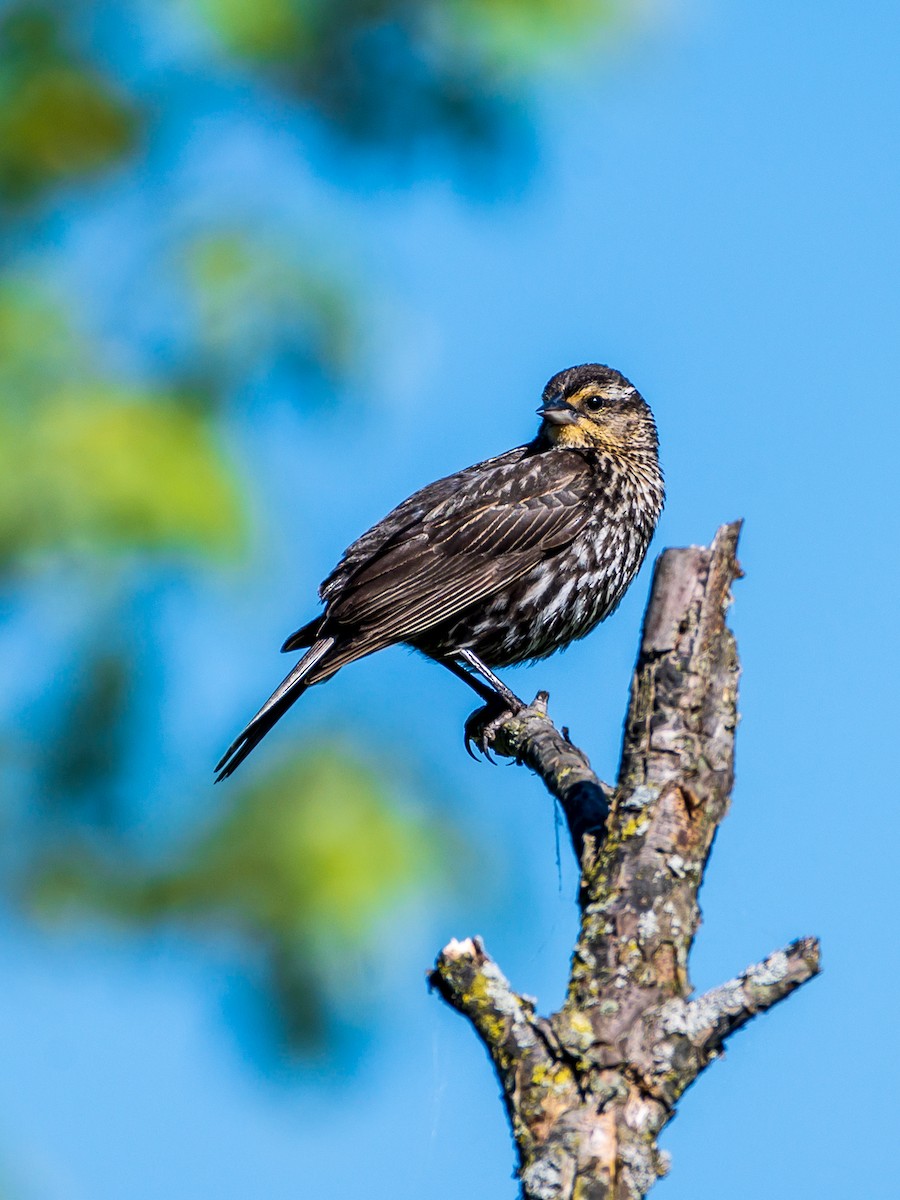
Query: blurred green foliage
[[61, 119], [404, 72], [90, 465], [301, 870], [103, 467], [285, 30], [517, 33], [78, 772], [258, 300]]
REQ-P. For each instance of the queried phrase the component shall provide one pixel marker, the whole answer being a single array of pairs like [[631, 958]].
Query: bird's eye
[[594, 403]]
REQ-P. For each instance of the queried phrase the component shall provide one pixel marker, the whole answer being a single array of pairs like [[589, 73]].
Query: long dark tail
[[290, 689]]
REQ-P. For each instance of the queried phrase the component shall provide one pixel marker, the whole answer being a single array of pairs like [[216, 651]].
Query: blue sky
[[714, 211]]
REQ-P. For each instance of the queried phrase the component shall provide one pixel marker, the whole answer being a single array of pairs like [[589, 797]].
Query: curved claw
[[481, 727], [469, 742], [473, 733]]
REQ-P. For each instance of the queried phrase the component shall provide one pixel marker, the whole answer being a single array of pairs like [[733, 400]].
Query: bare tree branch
[[589, 1089], [531, 738], [711, 1018]]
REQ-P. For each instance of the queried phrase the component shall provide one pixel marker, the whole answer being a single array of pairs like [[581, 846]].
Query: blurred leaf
[[59, 124], [402, 72], [259, 30], [38, 351], [519, 33], [279, 30], [60, 118], [314, 847], [106, 469], [86, 465], [258, 300], [303, 868], [82, 757]]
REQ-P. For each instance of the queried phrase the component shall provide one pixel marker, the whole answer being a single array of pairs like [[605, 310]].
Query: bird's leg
[[481, 689], [500, 702], [509, 698], [494, 708]]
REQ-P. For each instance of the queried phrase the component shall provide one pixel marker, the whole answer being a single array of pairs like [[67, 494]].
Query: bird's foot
[[485, 723], [482, 726]]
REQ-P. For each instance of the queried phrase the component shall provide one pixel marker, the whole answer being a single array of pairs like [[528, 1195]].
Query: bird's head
[[594, 407]]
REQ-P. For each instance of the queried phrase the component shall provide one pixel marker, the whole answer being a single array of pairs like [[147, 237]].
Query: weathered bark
[[589, 1089]]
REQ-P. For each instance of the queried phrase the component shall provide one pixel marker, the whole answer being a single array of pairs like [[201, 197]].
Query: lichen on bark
[[589, 1088]]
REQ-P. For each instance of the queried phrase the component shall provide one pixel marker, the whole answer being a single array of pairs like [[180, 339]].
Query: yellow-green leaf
[[108, 470]]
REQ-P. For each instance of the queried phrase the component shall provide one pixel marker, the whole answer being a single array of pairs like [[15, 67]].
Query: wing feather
[[407, 516], [470, 544]]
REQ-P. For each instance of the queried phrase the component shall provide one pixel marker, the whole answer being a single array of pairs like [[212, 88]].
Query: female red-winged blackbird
[[503, 562]]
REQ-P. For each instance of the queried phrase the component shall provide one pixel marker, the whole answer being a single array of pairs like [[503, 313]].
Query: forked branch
[[589, 1089]]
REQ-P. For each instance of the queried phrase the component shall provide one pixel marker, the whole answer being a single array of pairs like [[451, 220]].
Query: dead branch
[[589, 1089]]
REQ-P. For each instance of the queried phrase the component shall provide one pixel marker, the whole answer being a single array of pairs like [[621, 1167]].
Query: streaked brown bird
[[501, 563]]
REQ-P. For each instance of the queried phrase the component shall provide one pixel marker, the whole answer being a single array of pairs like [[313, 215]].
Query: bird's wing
[[406, 517], [469, 544]]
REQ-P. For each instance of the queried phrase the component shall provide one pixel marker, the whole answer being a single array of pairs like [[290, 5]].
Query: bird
[[504, 562]]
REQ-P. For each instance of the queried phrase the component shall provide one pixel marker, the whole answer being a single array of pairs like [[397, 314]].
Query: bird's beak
[[558, 412]]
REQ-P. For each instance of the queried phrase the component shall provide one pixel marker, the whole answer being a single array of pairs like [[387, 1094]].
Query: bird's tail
[[307, 636], [290, 689]]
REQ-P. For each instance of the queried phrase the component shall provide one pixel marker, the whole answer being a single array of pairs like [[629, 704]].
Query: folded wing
[[466, 547]]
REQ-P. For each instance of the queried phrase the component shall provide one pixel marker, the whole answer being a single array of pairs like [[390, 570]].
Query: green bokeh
[[300, 870], [123, 478], [90, 465], [61, 119]]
